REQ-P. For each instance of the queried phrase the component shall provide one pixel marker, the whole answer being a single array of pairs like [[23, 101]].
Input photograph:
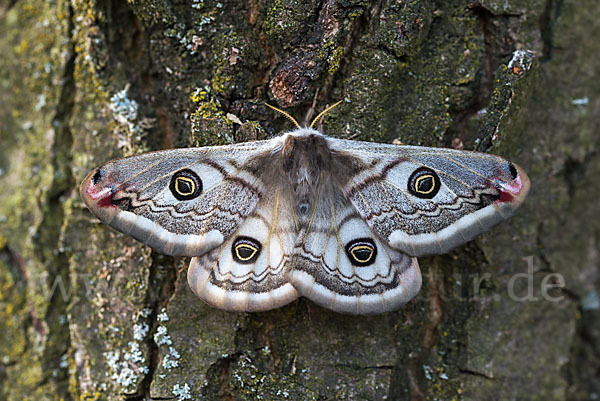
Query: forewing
[[428, 200], [248, 273], [179, 202], [340, 263]]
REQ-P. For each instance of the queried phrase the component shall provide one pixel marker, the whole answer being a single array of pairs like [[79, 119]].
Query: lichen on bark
[[87, 313]]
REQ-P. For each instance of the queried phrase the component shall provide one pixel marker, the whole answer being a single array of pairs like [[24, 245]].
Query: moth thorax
[[304, 158], [303, 211]]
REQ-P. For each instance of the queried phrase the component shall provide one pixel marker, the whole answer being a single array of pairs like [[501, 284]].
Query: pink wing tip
[[516, 190], [97, 191]]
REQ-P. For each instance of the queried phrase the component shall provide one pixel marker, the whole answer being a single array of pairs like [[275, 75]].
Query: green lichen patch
[[248, 380], [91, 52], [210, 125], [192, 339], [13, 308], [109, 317], [35, 86], [235, 62], [410, 98], [286, 21], [153, 12], [334, 53], [250, 131], [226, 62], [404, 26]]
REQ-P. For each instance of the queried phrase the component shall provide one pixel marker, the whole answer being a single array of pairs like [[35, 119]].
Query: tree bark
[[88, 313]]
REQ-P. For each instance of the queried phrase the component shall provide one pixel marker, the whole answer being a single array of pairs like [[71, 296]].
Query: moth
[[340, 222]]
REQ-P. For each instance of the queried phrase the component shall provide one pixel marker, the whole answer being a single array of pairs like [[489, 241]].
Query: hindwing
[[339, 262], [249, 271]]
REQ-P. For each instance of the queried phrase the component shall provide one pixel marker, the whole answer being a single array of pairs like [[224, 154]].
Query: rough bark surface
[[87, 313]]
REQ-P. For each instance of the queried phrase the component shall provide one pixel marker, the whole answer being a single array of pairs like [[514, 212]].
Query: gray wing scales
[[427, 201], [179, 202]]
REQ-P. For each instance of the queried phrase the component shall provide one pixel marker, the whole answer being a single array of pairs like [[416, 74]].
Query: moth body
[[338, 221]]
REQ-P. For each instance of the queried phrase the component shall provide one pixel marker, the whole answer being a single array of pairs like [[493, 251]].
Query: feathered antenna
[[321, 114], [285, 114]]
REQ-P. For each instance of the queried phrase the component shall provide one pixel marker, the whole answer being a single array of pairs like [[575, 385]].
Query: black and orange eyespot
[[185, 185], [245, 250], [361, 251], [424, 183]]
